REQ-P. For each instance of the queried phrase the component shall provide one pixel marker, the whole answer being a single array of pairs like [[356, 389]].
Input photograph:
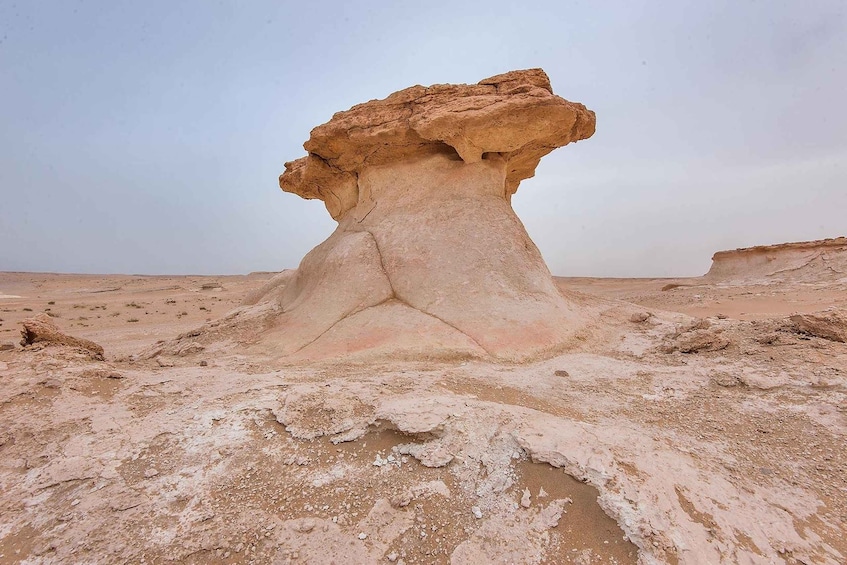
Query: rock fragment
[[726, 380], [699, 335], [303, 526], [42, 329], [639, 317], [701, 340], [526, 499], [831, 325]]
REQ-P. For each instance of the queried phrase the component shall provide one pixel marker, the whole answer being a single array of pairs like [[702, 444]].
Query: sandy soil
[[687, 437]]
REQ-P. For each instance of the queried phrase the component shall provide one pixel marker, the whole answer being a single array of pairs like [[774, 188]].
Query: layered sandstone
[[428, 259], [805, 261], [514, 118]]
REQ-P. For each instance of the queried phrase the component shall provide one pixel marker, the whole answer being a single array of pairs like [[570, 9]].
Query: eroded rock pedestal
[[428, 258]]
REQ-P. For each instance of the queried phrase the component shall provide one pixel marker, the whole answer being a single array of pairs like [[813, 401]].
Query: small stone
[[363, 536], [51, 382], [204, 363], [526, 499], [726, 380], [150, 473], [164, 362], [75, 502], [392, 556], [768, 338], [304, 526], [639, 317], [562, 373], [476, 512]]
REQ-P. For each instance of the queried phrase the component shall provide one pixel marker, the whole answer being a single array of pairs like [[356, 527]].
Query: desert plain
[[622, 450]]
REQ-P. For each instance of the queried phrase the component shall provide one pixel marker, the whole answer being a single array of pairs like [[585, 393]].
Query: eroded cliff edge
[[813, 261]]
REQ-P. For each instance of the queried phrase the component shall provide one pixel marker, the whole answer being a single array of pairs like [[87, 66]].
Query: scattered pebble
[[304, 526], [526, 499]]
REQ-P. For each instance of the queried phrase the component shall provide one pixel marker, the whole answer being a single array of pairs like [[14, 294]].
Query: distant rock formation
[[806, 261], [429, 259]]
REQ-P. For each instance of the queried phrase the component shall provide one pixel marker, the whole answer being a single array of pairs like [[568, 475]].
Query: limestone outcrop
[[803, 261], [428, 259]]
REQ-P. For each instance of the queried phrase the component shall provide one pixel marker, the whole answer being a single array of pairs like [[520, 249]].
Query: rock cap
[[514, 116]]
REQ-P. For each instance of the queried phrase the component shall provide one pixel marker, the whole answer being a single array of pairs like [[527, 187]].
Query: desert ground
[[624, 450]]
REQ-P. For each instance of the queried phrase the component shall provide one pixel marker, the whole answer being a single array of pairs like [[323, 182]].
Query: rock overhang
[[514, 117]]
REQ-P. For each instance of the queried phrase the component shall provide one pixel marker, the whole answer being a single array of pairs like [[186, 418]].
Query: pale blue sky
[[147, 137]]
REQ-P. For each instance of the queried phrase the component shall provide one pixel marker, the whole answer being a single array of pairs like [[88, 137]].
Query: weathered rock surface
[[429, 259], [513, 117], [696, 337], [42, 329], [805, 261], [827, 325]]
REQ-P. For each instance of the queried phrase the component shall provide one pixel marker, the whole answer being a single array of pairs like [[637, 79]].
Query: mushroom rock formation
[[428, 257]]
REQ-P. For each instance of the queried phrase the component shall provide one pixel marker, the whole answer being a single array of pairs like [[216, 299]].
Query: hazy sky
[[147, 136]]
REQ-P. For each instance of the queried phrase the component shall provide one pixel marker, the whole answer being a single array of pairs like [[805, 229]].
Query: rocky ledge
[[802, 261]]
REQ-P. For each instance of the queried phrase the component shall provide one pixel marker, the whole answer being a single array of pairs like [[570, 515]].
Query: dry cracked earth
[[710, 429]]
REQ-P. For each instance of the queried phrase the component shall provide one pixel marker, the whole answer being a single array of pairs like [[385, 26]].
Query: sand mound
[[429, 258], [806, 261]]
